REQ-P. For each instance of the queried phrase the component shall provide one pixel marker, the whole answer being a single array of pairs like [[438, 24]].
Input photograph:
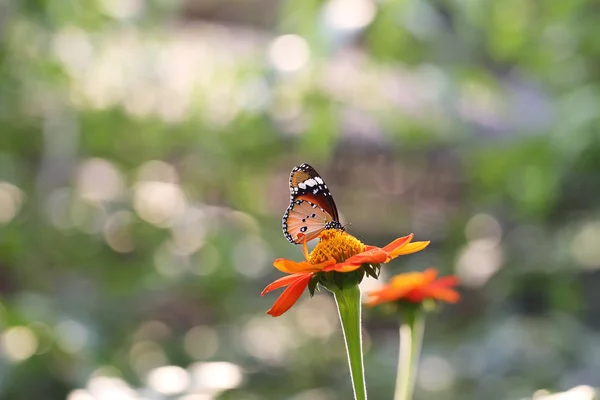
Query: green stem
[[411, 337], [349, 308]]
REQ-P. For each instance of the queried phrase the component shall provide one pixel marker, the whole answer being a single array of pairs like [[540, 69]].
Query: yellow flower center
[[337, 244]]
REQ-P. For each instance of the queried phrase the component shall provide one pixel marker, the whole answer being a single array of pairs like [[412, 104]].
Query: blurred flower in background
[[417, 287]]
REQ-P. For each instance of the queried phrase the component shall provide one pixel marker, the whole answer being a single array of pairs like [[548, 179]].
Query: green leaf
[[313, 285], [370, 270]]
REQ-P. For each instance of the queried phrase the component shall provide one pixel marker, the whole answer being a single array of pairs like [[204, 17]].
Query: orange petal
[[290, 296], [442, 289], [374, 255], [293, 267], [286, 280], [408, 249], [448, 295], [385, 295], [447, 281], [390, 293], [342, 267], [429, 276], [398, 243]]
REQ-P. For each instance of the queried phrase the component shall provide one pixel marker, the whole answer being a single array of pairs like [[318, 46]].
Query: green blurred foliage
[[145, 147]]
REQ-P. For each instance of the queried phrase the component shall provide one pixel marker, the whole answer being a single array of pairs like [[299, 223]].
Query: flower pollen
[[336, 244]]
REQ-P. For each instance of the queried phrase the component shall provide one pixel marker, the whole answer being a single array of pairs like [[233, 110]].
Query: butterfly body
[[311, 208]]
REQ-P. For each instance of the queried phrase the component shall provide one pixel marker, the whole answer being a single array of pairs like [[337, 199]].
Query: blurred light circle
[[436, 374], [99, 180], [80, 394], [110, 388], [207, 261], [201, 342], [216, 376], [585, 246], [317, 317], [19, 343], [582, 392], [58, 208], [117, 232], [146, 355], [484, 226], [267, 339], [169, 380], [477, 262], [169, 262], [189, 231], [289, 53], [157, 170], [251, 257], [349, 14], [71, 336], [73, 47], [159, 203], [197, 396], [11, 198], [153, 330], [44, 335], [122, 9]]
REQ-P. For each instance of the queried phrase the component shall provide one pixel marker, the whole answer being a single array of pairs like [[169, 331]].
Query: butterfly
[[311, 208]]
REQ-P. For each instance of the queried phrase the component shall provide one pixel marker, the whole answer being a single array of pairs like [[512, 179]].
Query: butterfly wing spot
[[305, 219]]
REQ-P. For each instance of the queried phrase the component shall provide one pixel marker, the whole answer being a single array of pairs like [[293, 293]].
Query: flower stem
[[349, 308], [411, 337]]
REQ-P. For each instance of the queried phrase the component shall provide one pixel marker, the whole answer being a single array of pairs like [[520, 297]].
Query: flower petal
[[343, 267], [447, 281], [290, 296], [388, 293], [293, 267], [408, 249], [444, 294], [416, 287], [398, 243], [442, 289], [374, 255], [286, 280], [429, 276]]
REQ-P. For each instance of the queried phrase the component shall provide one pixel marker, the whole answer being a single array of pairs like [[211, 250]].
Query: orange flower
[[336, 251], [416, 287]]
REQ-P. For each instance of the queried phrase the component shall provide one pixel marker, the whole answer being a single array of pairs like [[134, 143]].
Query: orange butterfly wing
[[311, 208]]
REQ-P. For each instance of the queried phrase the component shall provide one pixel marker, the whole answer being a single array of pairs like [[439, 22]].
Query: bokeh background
[[145, 147]]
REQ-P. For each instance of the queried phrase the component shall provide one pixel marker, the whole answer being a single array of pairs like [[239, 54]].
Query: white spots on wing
[[319, 180], [311, 182], [315, 191], [301, 185]]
